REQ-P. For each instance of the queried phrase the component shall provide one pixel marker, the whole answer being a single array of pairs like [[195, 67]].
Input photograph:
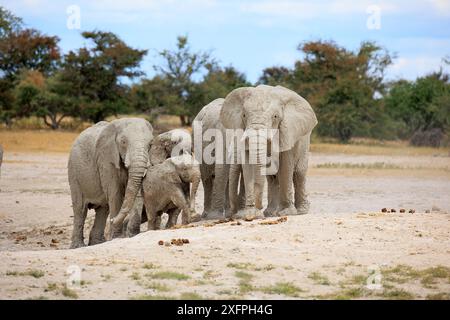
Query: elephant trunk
[[194, 188], [136, 172]]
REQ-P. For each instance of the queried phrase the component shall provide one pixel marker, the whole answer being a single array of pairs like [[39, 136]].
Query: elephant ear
[[298, 120], [106, 150], [231, 113]]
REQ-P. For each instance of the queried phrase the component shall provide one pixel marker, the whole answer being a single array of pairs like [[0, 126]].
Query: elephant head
[[188, 169], [125, 143], [168, 144], [267, 107]]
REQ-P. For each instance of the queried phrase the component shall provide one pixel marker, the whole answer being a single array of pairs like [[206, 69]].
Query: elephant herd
[[128, 176]]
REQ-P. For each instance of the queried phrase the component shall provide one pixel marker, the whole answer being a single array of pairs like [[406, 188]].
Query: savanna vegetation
[[347, 89]]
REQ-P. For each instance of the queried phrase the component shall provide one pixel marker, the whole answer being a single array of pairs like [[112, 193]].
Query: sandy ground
[[334, 252]]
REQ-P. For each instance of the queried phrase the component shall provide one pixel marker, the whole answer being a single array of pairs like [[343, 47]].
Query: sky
[[252, 35]]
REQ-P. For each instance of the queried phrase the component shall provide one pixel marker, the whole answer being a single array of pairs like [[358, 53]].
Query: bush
[[429, 138]]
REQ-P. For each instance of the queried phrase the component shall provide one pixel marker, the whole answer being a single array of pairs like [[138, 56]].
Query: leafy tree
[[179, 69], [28, 49], [217, 83], [43, 97], [341, 85], [9, 23], [93, 74], [423, 104]]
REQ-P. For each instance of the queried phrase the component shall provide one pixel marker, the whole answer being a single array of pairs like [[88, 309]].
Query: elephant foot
[[270, 212], [77, 244], [289, 211], [131, 232], [96, 240], [303, 208], [248, 213], [212, 215], [195, 217]]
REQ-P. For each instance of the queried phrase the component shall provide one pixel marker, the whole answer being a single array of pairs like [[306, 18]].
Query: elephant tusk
[[145, 173]]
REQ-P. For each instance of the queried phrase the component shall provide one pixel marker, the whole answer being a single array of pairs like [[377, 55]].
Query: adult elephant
[[266, 107], [106, 166], [210, 152]]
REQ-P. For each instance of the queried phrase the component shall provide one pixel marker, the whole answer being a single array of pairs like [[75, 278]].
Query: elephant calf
[[166, 189]]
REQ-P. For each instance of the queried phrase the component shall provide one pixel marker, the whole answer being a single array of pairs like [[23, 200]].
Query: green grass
[[169, 275], [439, 296], [241, 265], [32, 273], [319, 278], [149, 266], [428, 277], [135, 276], [190, 296], [397, 294], [283, 288], [150, 297], [245, 287], [243, 275], [69, 293], [158, 286]]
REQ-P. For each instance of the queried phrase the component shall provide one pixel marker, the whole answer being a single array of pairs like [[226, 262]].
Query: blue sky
[[252, 35]]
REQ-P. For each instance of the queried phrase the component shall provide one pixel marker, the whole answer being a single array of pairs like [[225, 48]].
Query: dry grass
[[24, 138], [37, 140], [393, 148]]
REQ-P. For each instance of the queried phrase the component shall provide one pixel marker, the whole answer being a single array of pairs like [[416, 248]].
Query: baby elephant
[[166, 189]]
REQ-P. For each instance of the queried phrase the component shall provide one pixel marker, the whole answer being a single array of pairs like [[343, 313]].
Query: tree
[[43, 97], [217, 83], [28, 49], [341, 85], [93, 74], [422, 105], [179, 68], [9, 23]]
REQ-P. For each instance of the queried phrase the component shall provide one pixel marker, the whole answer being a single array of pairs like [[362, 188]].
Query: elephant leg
[[115, 199], [173, 217], [180, 201], [259, 188], [273, 190], [285, 177], [97, 234], [79, 217], [219, 196], [241, 196], [235, 170], [301, 198], [250, 210], [133, 225], [207, 181]]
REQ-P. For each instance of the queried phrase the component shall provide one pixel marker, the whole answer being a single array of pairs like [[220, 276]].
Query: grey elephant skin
[[214, 174], [267, 107], [175, 142], [166, 190], [106, 166]]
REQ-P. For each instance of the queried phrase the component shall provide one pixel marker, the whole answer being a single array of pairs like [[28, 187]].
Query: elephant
[[267, 107], [171, 143], [168, 144], [106, 166], [214, 173], [218, 197], [166, 189]]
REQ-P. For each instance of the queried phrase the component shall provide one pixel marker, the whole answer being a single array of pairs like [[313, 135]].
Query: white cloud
[[412, 67], [442, 7]]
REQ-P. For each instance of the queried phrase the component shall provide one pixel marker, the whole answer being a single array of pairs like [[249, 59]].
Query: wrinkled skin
[[236, 189], [106, 166], [267, 107], [214, 175], [164, 190], [175, 142]]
